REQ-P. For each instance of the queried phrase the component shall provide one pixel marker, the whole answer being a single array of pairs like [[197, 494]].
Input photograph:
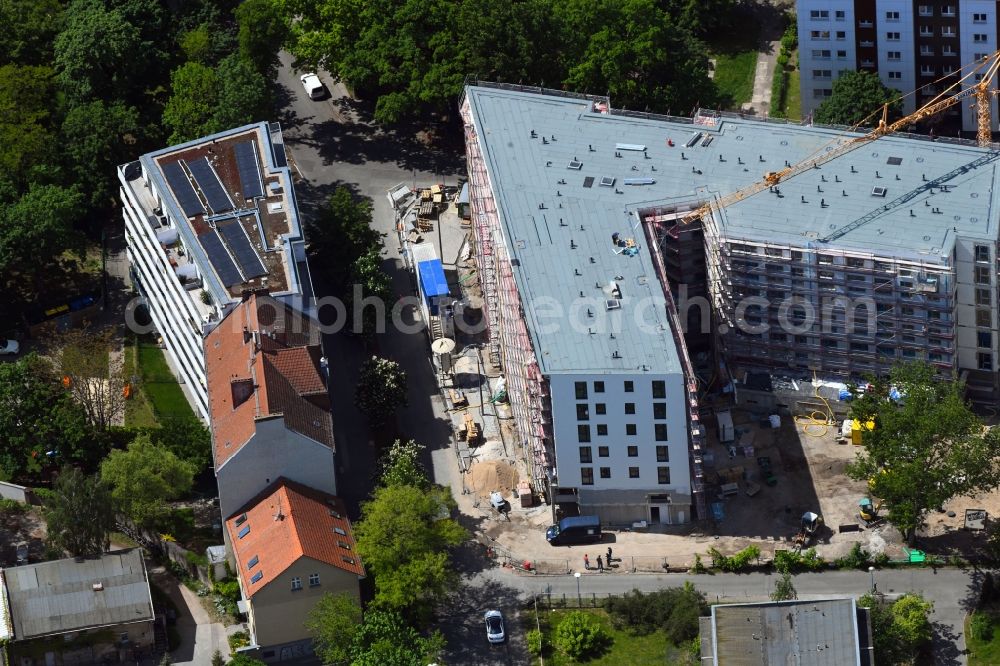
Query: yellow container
[[858, 429]]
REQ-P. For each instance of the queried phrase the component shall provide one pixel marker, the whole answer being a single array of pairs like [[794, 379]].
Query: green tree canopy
[[381, 389], [401, 466], [25, 101], [385, 638], [403, 538], [333, 623], [899, 629], [30, 26], [192, 104], [143, 477], [96, 138], [37, 228], [243, 94], [262, 33], [925, 449], [340, 234], [370, 281], [80, 515], [188, 439], [857, 95], [40, 425], [580, 636]]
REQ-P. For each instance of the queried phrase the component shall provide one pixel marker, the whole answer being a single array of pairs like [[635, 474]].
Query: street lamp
[[871, 572], [579, 597]]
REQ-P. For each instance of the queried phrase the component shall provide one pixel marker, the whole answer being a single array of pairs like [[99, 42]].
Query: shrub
[[9, 507], [228, 589], [981, 627], [856, 559], [741, 561], [196, 559], [44, 495], [698, 567], [782, 61], [238, 639], [881, 560], [535, 642], [784, 590], [580, 635], [790, 561], [676, 610]]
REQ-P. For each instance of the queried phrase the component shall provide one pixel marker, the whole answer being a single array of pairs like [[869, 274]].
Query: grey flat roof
[[565, 248], [803, 633], [748, 149], [58, 597]]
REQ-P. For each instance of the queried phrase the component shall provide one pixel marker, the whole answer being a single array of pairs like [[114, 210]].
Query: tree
[[340, 234], [192, 104], [925, 448], [244, 660], [79, 516], [97, 55], [243, 94], [857, 95], [25, 101], [784, 590], [30, 26], [370, 281], [196, 43], [262, 33], [40, 425], [333, 622], [36, 229], [97, 385], [899, 629], [385, 638], [97, 137], [218, 659], [143, 478], [403, 538], [579, 635], [381, 389], [401, 466], [188, 439]]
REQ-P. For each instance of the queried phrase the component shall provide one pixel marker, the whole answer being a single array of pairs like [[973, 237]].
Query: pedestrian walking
[[600, 564], [586, 561], [609, 555]]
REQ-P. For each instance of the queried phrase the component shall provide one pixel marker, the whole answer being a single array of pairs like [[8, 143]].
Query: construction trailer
[[436, 303]]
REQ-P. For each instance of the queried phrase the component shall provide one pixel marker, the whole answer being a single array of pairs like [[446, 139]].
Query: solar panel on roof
[[181, 187], [221, 261], [249, 168], [210, 185], [246, 255]]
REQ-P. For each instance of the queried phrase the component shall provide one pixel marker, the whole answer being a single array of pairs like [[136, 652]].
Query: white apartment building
[[206, 221], [924, 46]]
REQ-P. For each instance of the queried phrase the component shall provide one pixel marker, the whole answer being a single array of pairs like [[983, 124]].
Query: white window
[[895, 75], [839, 14], [819, 34], [925, 10], [926, 49], [980, 38], [819, 15], [979, 18], [892, 16], [947, 31], [894, 55], [926, 70], [926, 31], [821, 54], [822, 74], [948, 10], [983, 253], [820, 93], [948, 50], [892, 36], [296, 583], [313, 580]]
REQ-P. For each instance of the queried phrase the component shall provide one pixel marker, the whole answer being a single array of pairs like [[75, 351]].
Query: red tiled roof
[[286, 522], [271, 353]]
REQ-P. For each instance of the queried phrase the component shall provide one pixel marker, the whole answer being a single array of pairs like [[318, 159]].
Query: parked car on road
[[9, 347], [312, 84], [494, 626]]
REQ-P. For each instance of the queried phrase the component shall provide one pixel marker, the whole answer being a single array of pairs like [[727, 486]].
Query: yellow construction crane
[[987, 67]]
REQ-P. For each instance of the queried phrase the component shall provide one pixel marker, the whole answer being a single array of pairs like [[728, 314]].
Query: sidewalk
[[200, 637]]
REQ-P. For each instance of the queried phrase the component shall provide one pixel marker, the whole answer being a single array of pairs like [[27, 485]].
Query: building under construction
[[882, 254]]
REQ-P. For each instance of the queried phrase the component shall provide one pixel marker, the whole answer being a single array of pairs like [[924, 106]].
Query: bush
[[790, 561], [44, 495], [535, 642], [856, 559], [676, 610], [196, 559], [782, 62], [228, 589], [698, 567], [580, 635], [981, 627], [238, 639], [741, 561], [9, 507], [881, 560]]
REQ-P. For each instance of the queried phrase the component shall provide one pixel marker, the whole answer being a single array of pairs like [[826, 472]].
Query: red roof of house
[[263, 360], [284, 523]]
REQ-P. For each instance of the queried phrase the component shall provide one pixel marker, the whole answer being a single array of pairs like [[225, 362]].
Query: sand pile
[[490, 475]]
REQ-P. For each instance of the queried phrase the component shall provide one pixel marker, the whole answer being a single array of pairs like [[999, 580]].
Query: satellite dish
[[443, 346]]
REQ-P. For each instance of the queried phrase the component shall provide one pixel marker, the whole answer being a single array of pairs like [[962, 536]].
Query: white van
[[312, 84]]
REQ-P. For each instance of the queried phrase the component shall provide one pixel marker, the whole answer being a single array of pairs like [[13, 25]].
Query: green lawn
[[984, 653], [793, 101], [138, 411], [652, 649], [158, 384], [734, 73]]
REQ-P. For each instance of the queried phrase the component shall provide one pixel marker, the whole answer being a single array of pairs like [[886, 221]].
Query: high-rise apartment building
[[920, 47]]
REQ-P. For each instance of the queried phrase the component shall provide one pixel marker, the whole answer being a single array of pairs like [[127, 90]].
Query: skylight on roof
[[613, 304], [256, 577], [879, 191], [340, 531], [349, 560], [245, 531], [576, 166], [253, 562], [607, 181], [242, 518], [894, 161]]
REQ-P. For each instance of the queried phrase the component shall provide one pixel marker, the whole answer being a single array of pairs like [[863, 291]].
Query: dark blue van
[[578, 529]]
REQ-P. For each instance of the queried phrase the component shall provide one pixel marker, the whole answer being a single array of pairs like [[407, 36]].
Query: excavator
[[978, 87]]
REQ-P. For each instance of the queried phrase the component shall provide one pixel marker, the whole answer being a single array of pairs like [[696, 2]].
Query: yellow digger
[[868, 510]]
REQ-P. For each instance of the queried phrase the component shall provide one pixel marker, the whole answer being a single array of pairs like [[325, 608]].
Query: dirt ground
[[28, 527]]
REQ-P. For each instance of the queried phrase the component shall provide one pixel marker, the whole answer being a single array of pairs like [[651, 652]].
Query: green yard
[[984, 652], [157, 395], [735, 53], [793, 100], [652, 649]]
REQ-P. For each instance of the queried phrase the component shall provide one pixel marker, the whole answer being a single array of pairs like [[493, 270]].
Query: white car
[[494, 627], [312, 84], [9, 347]]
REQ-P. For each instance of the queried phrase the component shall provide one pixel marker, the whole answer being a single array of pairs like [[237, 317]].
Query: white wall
[[614, 397], [274, 451], [966, 340], [808, 60], [905, 46], [967, 29]]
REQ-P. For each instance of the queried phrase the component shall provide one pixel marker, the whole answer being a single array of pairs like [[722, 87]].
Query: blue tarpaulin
[[432, 282]]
